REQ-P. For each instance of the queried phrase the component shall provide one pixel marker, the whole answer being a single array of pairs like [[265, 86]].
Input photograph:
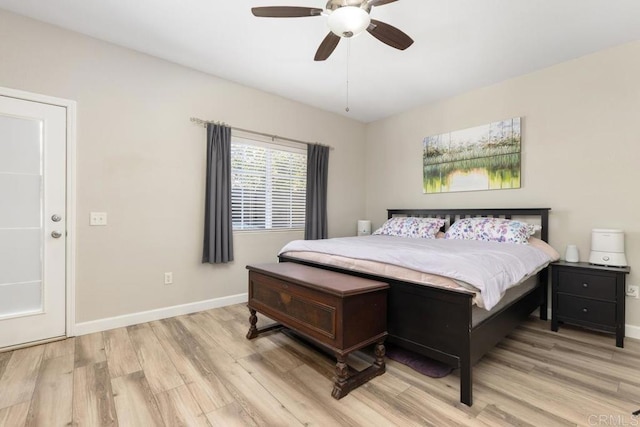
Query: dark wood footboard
[[437, 322]]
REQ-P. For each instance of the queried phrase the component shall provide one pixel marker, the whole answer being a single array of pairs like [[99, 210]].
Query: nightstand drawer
[[587, 285], [586, 310]]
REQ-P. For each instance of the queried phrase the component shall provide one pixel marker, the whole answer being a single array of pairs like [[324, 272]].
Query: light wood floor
[[199, 370]]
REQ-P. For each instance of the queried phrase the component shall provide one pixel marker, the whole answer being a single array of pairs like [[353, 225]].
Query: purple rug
[[417, 362]]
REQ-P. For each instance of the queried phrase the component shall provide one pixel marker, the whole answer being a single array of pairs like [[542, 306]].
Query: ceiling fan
[[346, 18]]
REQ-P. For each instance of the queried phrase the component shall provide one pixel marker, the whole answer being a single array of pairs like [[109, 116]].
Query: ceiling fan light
[[348, 21]]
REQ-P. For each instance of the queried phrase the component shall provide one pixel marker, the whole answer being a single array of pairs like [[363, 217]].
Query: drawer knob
[[585, 285], [584, 310]]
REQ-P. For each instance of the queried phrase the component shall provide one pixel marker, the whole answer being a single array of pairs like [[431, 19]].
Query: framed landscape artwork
[[480, 158]]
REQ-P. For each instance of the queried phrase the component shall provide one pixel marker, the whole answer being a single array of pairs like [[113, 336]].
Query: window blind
[[268, 186]]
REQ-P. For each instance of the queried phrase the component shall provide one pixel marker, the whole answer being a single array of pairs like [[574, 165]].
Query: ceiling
[[459, 44]]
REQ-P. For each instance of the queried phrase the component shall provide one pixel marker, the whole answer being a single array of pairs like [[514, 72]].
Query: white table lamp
[[364, 227]]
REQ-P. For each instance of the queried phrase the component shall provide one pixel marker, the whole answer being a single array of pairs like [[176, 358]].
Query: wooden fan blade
[[389, 34], [285, 11], [380, 2], [327, 47]]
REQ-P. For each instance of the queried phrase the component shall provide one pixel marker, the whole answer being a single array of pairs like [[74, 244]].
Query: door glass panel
[[20, 200], [20, 298], [20, 147], [20, 216], [19, 255]]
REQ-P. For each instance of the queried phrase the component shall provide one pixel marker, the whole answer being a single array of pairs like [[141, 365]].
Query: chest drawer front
[[587, 310], [294, 305], [587, 285]]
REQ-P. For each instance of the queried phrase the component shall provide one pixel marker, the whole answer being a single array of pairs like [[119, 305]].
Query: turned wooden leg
[[380, 352], [253, 319], [342, 371]]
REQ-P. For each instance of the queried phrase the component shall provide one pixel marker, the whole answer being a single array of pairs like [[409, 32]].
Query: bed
[[442, 323]]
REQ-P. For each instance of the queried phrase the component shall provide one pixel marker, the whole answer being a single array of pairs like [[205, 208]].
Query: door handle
[[56, 218], [56, 234]]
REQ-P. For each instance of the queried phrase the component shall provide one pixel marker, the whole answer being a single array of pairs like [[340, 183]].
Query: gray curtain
[[317, 177], [218, 235]]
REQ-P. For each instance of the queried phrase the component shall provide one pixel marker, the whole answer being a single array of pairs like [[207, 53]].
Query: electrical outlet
[[98, 218], [633, 291], [168, 278]]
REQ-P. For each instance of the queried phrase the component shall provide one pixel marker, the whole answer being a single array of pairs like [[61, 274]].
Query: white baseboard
[[100, 325], [157, 314], [631, 331]]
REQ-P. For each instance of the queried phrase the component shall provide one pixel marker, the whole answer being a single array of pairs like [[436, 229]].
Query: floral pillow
[[425, 228], [491, 230]]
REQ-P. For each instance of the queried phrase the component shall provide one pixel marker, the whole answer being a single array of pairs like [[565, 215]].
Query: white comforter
[[490, 267]]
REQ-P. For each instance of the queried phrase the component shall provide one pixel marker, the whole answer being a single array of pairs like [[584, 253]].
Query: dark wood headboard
[[453, 214]]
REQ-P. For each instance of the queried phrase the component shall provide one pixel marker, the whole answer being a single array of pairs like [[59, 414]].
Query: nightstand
[[588, 295]]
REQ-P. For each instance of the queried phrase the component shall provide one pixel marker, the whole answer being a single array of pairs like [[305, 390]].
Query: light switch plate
[[98, 218]]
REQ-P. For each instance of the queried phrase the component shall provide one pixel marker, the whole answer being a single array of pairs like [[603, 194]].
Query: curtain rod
[[273, 137]]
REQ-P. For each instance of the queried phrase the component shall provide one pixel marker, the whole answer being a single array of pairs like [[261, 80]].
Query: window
[[268, 187]]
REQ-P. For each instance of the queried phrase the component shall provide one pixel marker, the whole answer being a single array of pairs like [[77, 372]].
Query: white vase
[[572, 254]]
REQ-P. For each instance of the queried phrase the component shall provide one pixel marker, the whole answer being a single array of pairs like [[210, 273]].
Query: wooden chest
[[342, 312]]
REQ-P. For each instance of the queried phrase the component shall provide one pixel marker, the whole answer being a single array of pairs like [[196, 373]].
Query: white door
[[32, 221]]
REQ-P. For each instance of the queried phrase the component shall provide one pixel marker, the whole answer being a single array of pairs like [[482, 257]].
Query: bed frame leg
[[466, 383], [544, 277], [543, 311]]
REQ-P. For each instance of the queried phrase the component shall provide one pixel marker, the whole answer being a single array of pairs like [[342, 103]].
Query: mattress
[[486, 269], [386, 270]]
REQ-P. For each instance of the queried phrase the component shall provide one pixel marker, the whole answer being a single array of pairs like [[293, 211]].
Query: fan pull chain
[[348, 60]]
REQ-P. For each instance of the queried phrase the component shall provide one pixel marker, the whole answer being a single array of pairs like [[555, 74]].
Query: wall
[[580, 151], [141, 160]]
